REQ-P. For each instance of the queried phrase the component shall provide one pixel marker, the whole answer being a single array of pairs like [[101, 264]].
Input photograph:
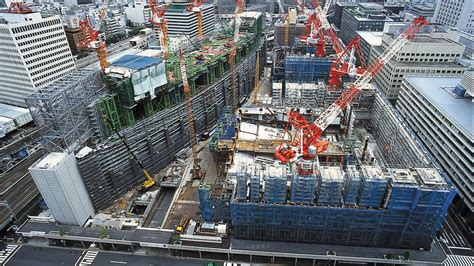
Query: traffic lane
[[114, 259], [39, 256]]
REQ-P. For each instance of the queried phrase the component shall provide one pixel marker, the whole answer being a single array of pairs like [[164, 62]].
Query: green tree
[[406, 255]]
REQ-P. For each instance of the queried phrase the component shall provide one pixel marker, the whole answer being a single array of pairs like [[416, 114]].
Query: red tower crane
[[306, 143], [158, 13], [90, 39], [196, 7], [19, 8], [189, 110], [341, 67]]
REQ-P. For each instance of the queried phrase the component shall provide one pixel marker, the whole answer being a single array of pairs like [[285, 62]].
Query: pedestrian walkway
[[7, 253]]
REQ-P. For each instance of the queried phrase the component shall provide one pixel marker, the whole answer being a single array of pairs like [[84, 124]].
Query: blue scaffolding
[[275, 188], [352, 185], [374, 187], [306, 69], [255, 188], [241, 185], [303, 189], [331, 185]]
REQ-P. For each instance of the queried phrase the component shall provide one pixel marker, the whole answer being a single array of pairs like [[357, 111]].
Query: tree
[[104, 233], [406, 255], [62, 231]]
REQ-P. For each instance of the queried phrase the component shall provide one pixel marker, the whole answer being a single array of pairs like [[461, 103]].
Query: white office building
[[180, 21], [455, 13], [426, 54], [439, 110], [60, 184], [138, 13], [34, 52]]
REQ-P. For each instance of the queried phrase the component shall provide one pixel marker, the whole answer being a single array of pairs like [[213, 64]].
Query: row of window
[[44, 38], [44, 70], [57, 72], [56, 50], [37, 25]]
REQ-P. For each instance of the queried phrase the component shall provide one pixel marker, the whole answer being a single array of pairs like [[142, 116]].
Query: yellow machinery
[[149, 182]]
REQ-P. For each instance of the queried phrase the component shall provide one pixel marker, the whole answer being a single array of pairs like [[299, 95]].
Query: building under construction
[[373, 183], [143, 98]]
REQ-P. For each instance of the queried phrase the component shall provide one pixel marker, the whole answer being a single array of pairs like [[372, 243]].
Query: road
[[452, 240], [39, 256]]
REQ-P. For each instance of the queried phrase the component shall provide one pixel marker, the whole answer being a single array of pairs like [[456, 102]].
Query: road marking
[[9, 252], [118, 262], [89, 258], [459, 248]]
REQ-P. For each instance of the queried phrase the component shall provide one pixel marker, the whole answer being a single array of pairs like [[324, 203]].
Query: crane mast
[[158, 12], [197, 8], [90, 39], [189, 110], [233, 54], [311, 133]]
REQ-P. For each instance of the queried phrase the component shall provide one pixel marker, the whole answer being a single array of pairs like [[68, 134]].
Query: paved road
[[453, 241], [39, 256]]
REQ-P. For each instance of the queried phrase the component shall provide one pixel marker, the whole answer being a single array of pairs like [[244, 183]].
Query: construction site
[[208, 153]]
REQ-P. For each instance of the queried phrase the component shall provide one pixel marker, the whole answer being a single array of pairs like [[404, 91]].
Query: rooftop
[[50, 161], [12, 112], [437, 90], [373, 38], [136, 62]]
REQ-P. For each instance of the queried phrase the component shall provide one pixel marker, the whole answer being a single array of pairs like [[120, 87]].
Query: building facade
[[455, 13], [138, 13], [33, 53], [59, 182], [74, 38], [438, 108], [424, 55], [363, 17], [180, 21]]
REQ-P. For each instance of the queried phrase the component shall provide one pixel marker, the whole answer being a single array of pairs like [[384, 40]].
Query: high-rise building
[[181, 21], [426, 54], [59, 182], [33, 53], [455, 13], [363, 17], [439, 109], [138, 13]]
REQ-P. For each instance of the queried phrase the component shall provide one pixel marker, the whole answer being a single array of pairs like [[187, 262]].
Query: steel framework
[[59, 110]]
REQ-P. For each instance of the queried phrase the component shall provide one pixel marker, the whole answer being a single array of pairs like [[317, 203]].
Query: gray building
[[59, 182], [440, 112], [427, 54], [455, 13], [369, 40], [363, 17]]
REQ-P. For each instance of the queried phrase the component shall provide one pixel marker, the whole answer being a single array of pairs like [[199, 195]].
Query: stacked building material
[[331, 185], [374, 187], [352, 185]]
